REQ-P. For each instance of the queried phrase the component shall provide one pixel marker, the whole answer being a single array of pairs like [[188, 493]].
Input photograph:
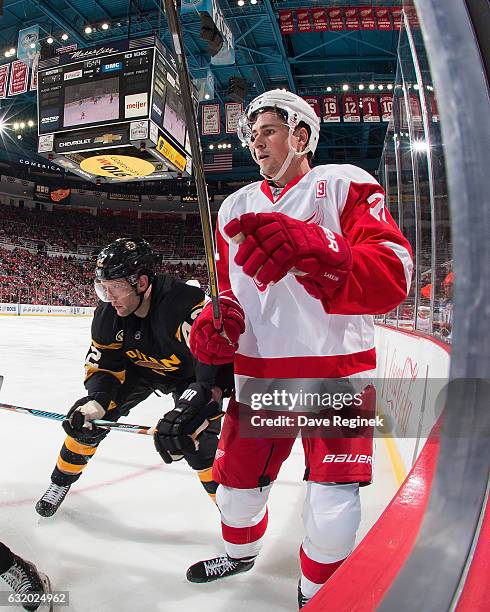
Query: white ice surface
[[129, 528]]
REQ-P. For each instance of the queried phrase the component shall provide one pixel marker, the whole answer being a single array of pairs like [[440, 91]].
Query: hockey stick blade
[[197, 162], [45, 414]]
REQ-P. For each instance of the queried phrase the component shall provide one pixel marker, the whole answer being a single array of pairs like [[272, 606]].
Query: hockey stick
[[197, 162], [44, 414], [127, 427]]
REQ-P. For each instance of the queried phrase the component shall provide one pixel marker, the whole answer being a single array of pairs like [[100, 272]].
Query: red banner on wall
[[396, 15], [383, 18], [18, 78], [233, 112], [370, 109], [415, 110], [319, 19], [352, 18], [336, 18], [4, 76], [386, 104], [314, 102], [367, 18], [331, 110], [433, 107], [350, 108], [303, 18], [286, 22]]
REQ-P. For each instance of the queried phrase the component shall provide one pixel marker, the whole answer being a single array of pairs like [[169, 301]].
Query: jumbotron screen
[[100, 90]]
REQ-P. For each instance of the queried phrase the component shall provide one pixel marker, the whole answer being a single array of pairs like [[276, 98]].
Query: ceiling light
[[22, 125], [420, 146], [389, 86], [361, 86], [244, 144], [30, 123], [415, 86], [345, 87], [12, 51], [105, 26], [241, 2], [32, 45], [16, 126], [50, 40], [64, 37], [329, 88], [7, 53], [19, 136], [381, 87], [371, 86], [88, 30], [206, 96], [253, 1]]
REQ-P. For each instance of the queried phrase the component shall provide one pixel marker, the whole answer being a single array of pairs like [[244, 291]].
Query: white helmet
[[296, 110]]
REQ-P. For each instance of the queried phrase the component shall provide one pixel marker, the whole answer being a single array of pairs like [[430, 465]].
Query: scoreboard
[[99, 105]]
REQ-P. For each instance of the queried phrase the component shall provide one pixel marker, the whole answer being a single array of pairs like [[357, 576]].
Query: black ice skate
[[302, 600], [52, 499], [219, 567], [24, 578]]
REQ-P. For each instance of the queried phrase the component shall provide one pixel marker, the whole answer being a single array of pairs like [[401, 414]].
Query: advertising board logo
[[117, 166], [108, 139], [138, 130], [73, 143], [45, 143], [170, 153], [73, 74], [112, 67], [136, 105]]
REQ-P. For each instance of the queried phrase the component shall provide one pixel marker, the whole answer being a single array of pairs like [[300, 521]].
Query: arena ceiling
[[305, 63]]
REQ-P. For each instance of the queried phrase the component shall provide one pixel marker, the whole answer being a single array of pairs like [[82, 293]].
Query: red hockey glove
[[272, 244], [206, 343]]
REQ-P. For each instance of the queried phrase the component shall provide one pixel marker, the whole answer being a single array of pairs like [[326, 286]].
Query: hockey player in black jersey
[[139, 346]]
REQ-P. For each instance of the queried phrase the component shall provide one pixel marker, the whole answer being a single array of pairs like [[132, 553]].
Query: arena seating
[[29, 273]]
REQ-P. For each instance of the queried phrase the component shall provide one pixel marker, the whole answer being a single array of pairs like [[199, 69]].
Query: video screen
[[91, 102], [173, 117]]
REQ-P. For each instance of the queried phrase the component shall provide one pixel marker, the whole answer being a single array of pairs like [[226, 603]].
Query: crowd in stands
[[35, 276]]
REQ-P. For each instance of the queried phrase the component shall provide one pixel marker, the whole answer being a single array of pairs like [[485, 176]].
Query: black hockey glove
[[78, 419], [176, 434]]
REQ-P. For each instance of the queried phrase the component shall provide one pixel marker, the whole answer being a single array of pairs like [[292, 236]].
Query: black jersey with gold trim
[[155, 344]]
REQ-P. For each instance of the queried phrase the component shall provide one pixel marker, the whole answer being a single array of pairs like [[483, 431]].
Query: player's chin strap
[[289, 158]]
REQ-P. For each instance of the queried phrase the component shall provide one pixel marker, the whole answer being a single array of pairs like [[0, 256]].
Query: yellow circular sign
[[117, 166]]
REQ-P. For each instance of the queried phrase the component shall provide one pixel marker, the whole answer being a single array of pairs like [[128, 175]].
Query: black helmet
[[126, 258]]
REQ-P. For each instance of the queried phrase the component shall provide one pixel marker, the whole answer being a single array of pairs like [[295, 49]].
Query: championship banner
[[4, 76], [352, 18], [367, 18], [331, 110], [383, 18], [210, 123], [336, 18], [434, 111], [386, 103], [415, 110], [319, 19], [350, 108], [396, 15], [314, 102], [233, 112], [303, 18], [286, 22], [18, 78], [411, 13], [370, 109]]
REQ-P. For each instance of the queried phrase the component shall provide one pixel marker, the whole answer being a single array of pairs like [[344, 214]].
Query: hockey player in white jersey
[[305, 258]]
